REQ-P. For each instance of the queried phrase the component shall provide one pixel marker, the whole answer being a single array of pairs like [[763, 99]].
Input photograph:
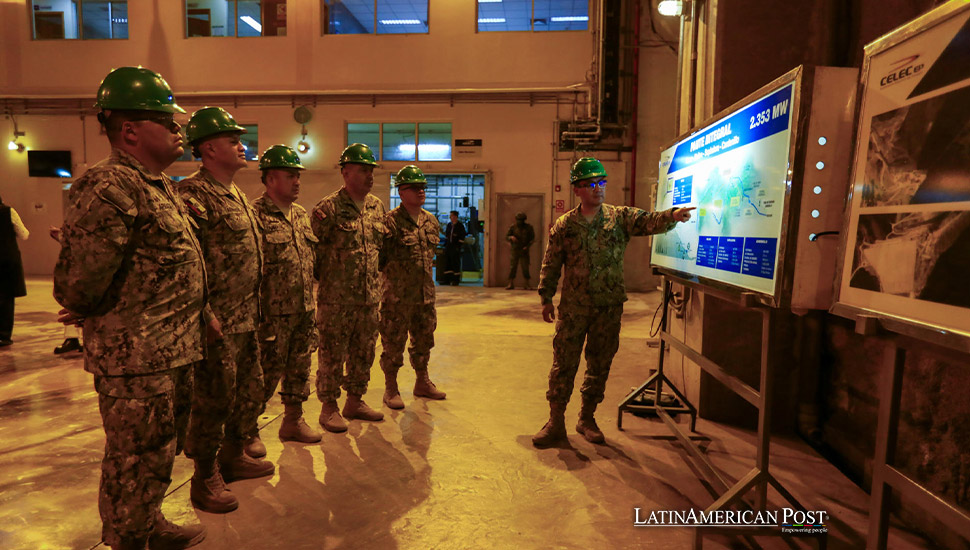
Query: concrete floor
[[460, 473]]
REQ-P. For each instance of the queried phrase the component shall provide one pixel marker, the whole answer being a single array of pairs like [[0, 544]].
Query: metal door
[[506, 206]]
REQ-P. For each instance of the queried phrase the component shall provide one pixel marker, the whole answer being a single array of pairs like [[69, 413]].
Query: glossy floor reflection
[[459, 473]]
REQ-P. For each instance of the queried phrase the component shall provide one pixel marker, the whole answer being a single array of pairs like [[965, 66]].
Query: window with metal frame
[[532, 15], [375, 16], [238, 18], [79, 20], [404, 141]]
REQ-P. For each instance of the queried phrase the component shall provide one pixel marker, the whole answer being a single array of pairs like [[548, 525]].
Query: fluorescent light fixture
[[252, 23], [492, 20], [565, 18], [489, 1], [13, 145], [670, 8], [400, 21], [426, 151]]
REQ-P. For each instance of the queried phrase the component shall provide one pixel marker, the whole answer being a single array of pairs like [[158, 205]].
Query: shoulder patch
[[319, 214], [115, 196], [195, 207]]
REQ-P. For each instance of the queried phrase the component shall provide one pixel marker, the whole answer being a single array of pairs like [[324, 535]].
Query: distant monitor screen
[[735, 171], [49, 164]]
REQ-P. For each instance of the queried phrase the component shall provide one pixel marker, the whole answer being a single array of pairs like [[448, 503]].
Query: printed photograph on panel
[[921, 255], [920, 154]]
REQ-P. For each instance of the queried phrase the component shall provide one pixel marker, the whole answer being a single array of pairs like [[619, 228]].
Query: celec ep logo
[[901, 70]]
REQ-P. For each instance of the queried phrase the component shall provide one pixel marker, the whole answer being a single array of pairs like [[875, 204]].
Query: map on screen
[[735, 171]]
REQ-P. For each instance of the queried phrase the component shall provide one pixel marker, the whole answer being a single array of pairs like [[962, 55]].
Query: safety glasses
[[593, 184], [167, 122]]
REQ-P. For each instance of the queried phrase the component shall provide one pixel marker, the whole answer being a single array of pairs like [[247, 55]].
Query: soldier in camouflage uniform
[[132, 268], [588, 243], [286, 331], [350, 226], [229, 384], [408, 306], [521, 236]]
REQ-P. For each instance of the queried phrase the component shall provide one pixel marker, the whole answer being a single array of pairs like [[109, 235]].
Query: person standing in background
[[12, 284], [520, 235], [454, 240]]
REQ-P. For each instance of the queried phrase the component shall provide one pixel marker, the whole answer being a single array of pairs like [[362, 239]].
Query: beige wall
[[451, 56]]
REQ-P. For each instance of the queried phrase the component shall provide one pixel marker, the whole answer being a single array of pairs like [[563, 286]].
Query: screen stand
[[758, 478]]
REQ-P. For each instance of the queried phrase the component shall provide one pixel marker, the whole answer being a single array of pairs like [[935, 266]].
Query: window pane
[[510, 15], [366, 133], [249, 21], [104, 20], [251, 140], [561, 15], [350, 16], [210, 18], [402, 17], [434, 141], [54, 19], [398, 142]]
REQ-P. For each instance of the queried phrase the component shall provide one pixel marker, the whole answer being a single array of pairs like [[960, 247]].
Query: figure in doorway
[[454, 239], [520, 235]]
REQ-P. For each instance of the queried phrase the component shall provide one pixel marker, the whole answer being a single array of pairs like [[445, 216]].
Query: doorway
[[464, 193], [506, 207]]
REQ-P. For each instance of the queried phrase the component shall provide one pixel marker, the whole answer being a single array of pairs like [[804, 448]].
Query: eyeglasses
[[167, 122], [592, 184]]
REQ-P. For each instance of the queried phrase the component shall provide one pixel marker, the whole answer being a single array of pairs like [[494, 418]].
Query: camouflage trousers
[[397, 321], [521, 258], [285, 345], [145, 419], [228, 394], [348, 334], [599, 327]]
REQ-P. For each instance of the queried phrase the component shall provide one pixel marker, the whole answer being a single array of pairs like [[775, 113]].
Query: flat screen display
[[735, 171], [49, 164]]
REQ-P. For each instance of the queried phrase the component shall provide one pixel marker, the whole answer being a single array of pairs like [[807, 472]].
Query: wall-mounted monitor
[[49, 164], [746, 171]]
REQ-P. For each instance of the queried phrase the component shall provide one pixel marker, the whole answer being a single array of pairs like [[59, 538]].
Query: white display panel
[[736, 172], [907, 244]]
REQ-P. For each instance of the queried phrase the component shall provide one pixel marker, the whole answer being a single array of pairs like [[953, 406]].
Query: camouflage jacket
[[408, 257], [288, 258], [591, 254], [131, 265], [230, 243], [349, 249], [524, 237]]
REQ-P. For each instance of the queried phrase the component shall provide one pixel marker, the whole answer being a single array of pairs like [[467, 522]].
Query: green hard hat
[[136, 89], [409, 175], [585, 168], [358, 153], [209, 121], [280, 156]]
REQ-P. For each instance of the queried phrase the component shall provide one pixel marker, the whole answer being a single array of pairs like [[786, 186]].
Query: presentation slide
[[735, 172]]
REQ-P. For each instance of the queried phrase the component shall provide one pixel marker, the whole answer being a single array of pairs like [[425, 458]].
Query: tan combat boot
[[554, 432], [235, 464], [587, 424], [356, 409], [330, 418], [254, 447], [511, 285], [208, 491], [294, 428], [392, 396], [168, 536], [424, 387]]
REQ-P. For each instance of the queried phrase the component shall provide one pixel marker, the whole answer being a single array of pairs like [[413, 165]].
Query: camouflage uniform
[[229, 384], [525, 236], [408, 304], [347, 301], [131, 266], [286, 331], [591, 255]]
